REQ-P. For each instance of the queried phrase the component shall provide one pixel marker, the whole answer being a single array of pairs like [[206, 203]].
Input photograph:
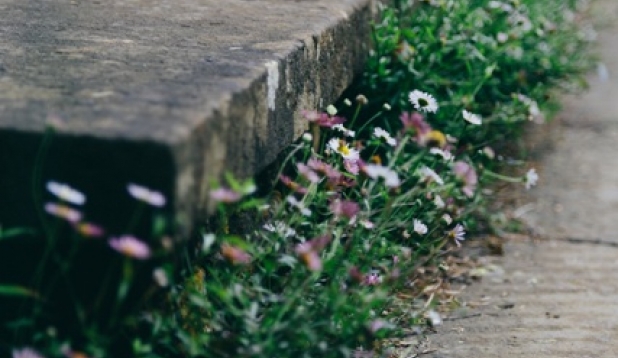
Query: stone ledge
[[168, 94]]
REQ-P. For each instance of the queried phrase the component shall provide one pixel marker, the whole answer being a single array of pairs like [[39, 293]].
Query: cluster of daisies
[[339, 164], [70, 199]]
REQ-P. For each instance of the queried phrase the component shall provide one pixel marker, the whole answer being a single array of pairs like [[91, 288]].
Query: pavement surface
[[557, 296]]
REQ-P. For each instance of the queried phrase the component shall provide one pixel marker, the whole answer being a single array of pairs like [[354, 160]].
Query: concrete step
[[167, 94]]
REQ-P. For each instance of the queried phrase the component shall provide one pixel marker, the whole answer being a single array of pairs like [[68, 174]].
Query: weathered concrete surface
[[558, 297], [168, 94]]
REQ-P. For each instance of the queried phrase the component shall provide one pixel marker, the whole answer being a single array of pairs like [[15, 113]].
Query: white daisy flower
[[146, 195], [423, 101], [381, 133], [531, 178], [346, 132], [160, 277], [428, 173], [502, 37], [521, 21], [298, 205], [332, 110], [533, 106], [367, 224], [472, 118], [280, 228], [438, 202], [419, 227], [66, 193], [342, 148], [445, 154], [391, 179]]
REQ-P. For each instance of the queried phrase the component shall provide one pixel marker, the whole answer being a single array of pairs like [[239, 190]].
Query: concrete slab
[[168, 94]]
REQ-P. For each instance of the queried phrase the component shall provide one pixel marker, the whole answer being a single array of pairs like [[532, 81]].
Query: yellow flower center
[[436, 138], [343, 148]]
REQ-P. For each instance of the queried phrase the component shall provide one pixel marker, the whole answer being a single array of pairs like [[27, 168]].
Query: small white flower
[[160, 277], [438, 202], [445, 154], [489, 152], [66, 193], [458, 234], [386, 106], [347, 102], [521, 21], [533, 106], [342, 148], [298, 205], [502, 37], [447, 219], [451, 139], [428, 173], [281, 228], [391, 179], [381, 133], [423, 101], [419, 227], [366, 224], [346, 132], [331, 110], [307, 137], [494, 4], [472, 118], [531, 178], [207, 241]]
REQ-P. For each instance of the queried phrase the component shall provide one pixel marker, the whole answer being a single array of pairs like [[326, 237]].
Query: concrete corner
[[169, 95]]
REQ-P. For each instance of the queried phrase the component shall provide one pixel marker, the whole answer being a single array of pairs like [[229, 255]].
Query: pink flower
[[235, 255], [308, 173], [88, 229], [292, 185], [130, 246], [63, 211], [324, 168], [309, 257], [372, 279], [344, 208], [351, 165], [223, 195], [457, 234], [26, 353], [416, 121], [377, 325], [309, 252], [146, 195], [323, 119], [466, 172]]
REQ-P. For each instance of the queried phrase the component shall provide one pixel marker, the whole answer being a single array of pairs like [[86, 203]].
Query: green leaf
[[11, 233], [16, 291]]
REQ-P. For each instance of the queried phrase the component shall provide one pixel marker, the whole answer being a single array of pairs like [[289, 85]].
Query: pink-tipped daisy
[[64, 212], [150, 197], [66, 193], [130, 246]]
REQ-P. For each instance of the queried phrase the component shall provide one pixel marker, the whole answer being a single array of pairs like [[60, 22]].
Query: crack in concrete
[[596, 242]]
